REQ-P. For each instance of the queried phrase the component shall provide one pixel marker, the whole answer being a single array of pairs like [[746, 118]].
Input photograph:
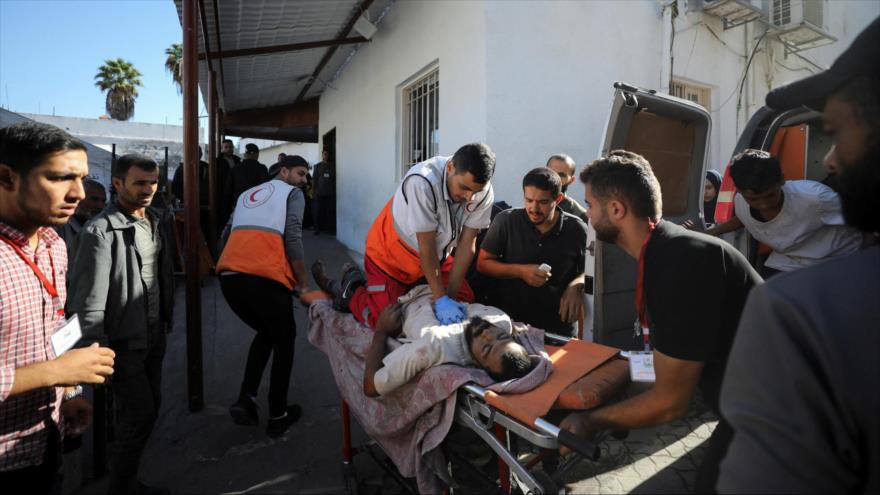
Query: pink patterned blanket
[[411, 422]]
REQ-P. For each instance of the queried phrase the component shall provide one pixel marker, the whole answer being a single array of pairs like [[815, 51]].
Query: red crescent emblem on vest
[[255, 198]]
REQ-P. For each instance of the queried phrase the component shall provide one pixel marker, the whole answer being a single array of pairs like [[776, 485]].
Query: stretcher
[[525, 442], [522, 440], [519, 429]]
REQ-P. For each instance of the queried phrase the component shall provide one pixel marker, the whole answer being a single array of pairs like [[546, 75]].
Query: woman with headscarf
[[711, 186]]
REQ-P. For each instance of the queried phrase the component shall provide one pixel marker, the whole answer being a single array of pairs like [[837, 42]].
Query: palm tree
[[120, 80], [174, 65]]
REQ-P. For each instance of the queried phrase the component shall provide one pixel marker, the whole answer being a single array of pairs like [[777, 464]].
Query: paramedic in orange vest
[[259, 269], [440, 205]]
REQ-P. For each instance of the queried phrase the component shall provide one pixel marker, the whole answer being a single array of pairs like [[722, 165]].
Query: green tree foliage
[[120, 80], [174, 65]]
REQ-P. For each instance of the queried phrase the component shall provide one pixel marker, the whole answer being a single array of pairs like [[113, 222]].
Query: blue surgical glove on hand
[[448, 310]]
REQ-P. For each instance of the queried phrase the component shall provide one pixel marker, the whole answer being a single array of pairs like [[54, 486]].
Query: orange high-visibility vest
[[724, 205], [391, 253], [256, 244]]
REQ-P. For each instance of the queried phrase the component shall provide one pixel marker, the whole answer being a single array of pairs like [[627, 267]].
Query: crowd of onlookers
[[788, 365]]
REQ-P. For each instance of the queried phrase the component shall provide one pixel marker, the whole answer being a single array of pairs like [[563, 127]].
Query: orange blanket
[[570, 363]]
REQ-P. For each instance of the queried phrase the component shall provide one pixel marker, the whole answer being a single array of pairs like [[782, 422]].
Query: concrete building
[[129, 137], [100, 160], [535, 78], [269, 149]]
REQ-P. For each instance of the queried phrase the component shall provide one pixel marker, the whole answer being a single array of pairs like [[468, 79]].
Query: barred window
[[420, 120], [698, 94]]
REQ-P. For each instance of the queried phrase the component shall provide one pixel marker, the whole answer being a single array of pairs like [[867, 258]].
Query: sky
[[50, 52]]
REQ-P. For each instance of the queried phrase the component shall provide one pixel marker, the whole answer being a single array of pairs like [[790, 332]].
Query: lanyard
[[49, 286], [641, 303]]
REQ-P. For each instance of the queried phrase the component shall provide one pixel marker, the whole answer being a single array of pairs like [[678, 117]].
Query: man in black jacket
[[247, 174]]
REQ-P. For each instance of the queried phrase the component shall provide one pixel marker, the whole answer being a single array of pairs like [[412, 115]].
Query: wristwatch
[[73, 394]]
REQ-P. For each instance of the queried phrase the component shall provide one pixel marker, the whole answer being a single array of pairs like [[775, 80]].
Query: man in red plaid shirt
[[41, 173]]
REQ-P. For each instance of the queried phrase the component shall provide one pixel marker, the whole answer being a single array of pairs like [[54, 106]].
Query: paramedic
[[800, 219], [520, 241], [441, 204], [259, 269], [690, 291], [804, 401]]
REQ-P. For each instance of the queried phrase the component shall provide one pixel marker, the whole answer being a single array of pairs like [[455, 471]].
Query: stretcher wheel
[[349, 478]]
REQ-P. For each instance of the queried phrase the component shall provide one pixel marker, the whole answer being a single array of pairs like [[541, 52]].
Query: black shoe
[[244, 411], [143, 489], [277, 426]]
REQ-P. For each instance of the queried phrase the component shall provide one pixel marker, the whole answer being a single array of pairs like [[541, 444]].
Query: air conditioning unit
[[734, 12], [800, 24]]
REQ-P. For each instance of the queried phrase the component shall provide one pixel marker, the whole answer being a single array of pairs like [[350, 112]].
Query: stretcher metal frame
[[494, 427]]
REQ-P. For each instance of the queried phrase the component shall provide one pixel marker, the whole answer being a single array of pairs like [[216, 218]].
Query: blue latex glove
[[448, 310]]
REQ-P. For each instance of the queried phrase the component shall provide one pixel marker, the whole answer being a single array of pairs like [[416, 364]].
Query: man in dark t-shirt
[[690, 293], [520, 241], [564, 165]]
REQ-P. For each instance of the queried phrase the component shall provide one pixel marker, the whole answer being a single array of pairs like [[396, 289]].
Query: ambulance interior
[[673, 135]]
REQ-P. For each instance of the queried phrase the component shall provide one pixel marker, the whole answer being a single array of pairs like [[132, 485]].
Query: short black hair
[[628, 177], [563, 158], [227, 140], [476, 158], [544, 179], [515, 363], [756, 170], [89, 182], [125, 162], [27, 145], [290, 161]]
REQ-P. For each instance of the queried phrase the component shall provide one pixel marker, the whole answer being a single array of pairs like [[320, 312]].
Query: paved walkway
[[205, 452]]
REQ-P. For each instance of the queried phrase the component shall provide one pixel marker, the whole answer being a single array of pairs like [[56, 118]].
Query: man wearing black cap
[[247, 174], [261, 265], [801, 386]]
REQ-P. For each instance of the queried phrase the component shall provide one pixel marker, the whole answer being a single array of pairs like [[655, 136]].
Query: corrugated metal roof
[[270, 80]]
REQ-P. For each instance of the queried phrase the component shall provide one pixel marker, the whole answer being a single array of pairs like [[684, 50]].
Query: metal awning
[[273, 59]]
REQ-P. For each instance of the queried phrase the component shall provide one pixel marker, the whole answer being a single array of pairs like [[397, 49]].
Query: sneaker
[[244, 411], [277, 426], [352, 278]]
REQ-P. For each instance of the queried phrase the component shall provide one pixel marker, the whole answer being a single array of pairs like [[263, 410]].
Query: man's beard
[[860, 191], [605, 230]]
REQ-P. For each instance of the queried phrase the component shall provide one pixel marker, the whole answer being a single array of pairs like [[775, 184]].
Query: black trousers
[[136, 386], [324, 212], [44, 478], [707, 474], [267, 307]]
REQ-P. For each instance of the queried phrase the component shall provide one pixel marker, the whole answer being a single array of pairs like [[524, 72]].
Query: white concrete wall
[[535, 78], [550, 71], [269, 149], [364, 105]]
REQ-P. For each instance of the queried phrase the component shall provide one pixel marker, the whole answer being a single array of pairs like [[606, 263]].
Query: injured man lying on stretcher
[[483, 340]]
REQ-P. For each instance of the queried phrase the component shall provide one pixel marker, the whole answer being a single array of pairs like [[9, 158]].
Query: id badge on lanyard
[[641, 363]]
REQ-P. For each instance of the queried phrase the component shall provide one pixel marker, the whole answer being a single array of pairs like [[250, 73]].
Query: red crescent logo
[[252, 200]]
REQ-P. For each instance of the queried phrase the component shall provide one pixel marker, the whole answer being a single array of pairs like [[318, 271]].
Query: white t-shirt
[[422, 204], [427, 342], [809, 229]]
